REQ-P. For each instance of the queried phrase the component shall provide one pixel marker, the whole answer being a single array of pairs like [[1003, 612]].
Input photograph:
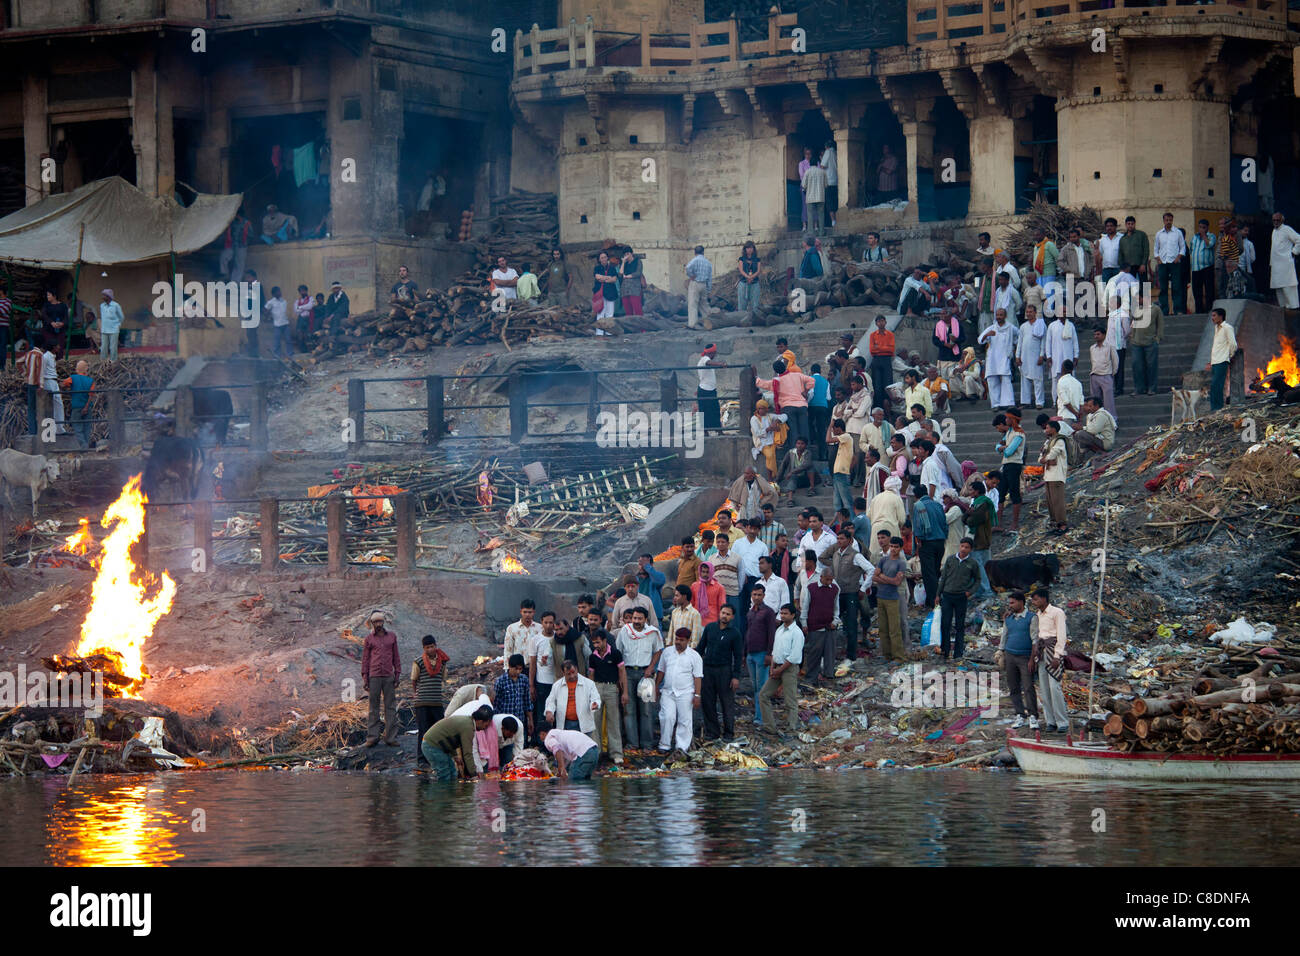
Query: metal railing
[[518, 404]]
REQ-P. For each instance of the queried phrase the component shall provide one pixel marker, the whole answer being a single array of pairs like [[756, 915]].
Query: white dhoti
[[1031, 389], [1287, 297], [985, 320], [675, 712], [1001, 394], [52, 386]]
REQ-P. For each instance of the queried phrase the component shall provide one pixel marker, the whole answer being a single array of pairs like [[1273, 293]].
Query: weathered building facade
[[337, 111], [664, 129]]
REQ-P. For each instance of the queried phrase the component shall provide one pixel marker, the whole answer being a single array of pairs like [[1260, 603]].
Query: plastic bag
[[1240, 631], [645, 689], [929, 633], [918, 593]]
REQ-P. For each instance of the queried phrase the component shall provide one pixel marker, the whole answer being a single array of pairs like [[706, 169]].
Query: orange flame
[[121, 617], [82, 541], [512, 565], [1285, 363]]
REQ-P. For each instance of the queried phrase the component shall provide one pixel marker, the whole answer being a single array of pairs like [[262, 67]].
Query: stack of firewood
[[1218, 716]]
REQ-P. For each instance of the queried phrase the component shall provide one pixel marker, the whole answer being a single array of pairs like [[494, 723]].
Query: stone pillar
[[992, 166], [36, 136], [920, 162], [144, 122], [851, 156], [350, 139], [166, 131], [384, 158], [211, 159]]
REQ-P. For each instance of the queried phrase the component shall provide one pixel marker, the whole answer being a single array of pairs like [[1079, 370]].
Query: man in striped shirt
[[29, 365], [1203, 249]]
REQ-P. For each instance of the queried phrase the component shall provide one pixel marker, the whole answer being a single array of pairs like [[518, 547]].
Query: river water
[[800, 817]]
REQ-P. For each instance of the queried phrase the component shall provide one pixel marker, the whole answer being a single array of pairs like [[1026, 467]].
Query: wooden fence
[[704, 46]]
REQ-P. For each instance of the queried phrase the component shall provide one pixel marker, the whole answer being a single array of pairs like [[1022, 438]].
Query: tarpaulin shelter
[[111, 222]]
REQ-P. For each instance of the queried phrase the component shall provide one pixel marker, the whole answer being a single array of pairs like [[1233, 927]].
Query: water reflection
[[129, 824], [779, 818]]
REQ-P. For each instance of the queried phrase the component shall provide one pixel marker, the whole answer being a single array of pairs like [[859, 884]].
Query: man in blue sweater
[[651, 582], [1016, 645]]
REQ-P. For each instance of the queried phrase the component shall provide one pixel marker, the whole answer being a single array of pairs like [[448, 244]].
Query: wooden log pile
[[1057, 221], [149, 374], [1214, 716]]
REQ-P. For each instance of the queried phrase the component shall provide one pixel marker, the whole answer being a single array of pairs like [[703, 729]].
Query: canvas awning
[[122, 226]]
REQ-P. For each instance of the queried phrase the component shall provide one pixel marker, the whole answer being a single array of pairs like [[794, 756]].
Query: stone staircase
[[975, 438]]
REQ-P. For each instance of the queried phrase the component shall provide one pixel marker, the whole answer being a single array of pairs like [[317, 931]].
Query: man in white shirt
[[787, 655], [819, 538], [542, 667], [1030, 358], [1107, 250], [279, 312], [814, 187], [748, 549], [505, 279], [1004, 265], [640, 646], [1006, 298], [934, 477], [680, 676], [1119, 324], [1001, 340], [520, 634], [1281, 262], [50, 383], [776, 591], [1069, 395], [1060, 346], [832, 180], [1221, 351], [1169, 250]]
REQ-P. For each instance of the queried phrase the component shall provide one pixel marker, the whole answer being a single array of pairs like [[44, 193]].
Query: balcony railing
[[942, 21], [705, 46]]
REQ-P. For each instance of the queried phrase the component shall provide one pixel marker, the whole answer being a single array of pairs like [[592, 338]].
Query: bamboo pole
[[76, 277], [76, 768], [1096, 633]]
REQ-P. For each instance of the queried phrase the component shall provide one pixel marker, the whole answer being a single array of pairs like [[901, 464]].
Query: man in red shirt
[[881, 346], [380, 665]]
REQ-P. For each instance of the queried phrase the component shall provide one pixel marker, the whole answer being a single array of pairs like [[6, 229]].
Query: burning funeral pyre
[[122, 612]]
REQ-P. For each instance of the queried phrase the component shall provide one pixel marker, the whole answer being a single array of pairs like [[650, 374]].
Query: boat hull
[[1103, 763]]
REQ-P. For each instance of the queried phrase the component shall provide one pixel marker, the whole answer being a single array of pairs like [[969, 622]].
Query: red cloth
[[1154, 484]]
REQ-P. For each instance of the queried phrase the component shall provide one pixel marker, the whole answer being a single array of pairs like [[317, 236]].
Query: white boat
[[1099, 760]]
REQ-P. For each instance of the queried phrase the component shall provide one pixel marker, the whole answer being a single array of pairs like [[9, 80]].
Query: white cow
[[31, 471]]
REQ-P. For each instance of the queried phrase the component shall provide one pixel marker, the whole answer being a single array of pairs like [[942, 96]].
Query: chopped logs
[[1222, 717]]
